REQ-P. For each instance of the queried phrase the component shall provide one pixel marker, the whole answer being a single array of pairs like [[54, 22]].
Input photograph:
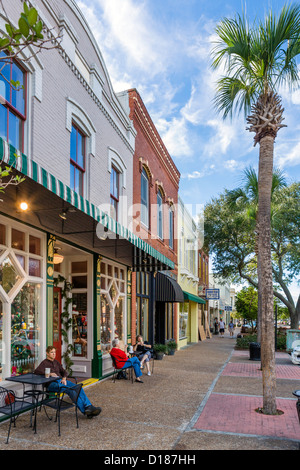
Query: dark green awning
[[193, 298]]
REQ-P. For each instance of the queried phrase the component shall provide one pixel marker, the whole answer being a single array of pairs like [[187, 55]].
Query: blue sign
[[212, 294]]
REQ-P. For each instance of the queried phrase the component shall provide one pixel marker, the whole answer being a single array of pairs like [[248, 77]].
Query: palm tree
[[258, 60]]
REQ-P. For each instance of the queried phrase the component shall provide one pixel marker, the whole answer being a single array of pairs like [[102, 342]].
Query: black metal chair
[[12, 406], [128, 369], [56, 401]]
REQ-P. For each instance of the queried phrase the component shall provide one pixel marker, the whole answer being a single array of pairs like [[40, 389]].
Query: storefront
[[60, 283]]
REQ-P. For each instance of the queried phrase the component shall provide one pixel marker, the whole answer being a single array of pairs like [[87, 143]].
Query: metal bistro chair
[[12, 406], [128, 369], [56, 401]]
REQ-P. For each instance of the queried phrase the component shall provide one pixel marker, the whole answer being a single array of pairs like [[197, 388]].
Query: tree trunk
[[265, 278]]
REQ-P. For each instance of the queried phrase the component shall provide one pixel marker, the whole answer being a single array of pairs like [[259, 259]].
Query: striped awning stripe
[[33, 170]]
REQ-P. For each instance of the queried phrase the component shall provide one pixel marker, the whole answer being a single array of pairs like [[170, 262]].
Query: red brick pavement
[[252, 369], [236, 414]]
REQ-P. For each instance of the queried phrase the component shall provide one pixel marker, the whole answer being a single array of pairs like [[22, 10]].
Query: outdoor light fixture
[[57, 258], [23, 206], [102, 234], [63, 215]]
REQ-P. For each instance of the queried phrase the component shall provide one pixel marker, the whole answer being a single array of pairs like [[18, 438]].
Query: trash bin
[[254, 349]]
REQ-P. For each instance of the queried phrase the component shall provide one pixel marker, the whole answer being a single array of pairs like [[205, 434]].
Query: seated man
[[122, 360], [56, 370]]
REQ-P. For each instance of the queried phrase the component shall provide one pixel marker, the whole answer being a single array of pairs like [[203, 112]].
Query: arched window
[[145, 198]]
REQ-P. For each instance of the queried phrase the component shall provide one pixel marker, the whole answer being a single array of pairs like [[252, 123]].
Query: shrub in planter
[[172, 346], [160, 350]]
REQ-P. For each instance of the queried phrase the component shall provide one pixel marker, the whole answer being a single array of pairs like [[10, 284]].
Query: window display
[[21, 286], [25, 313], [183, 319], [112, 305]]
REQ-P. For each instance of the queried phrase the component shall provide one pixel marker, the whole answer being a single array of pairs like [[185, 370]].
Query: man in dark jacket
[[57, 370]]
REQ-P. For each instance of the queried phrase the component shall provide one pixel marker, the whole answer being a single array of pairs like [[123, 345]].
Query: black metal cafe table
[[35, 381]]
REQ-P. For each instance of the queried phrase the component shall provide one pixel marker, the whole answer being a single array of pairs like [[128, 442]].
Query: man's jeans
[[82, 401], [135, 363]]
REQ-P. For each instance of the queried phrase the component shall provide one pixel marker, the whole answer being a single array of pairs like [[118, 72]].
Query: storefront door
[[57, 321]]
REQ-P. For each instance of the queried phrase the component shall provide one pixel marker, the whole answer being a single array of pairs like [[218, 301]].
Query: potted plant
[[160, 350], [172, 346]]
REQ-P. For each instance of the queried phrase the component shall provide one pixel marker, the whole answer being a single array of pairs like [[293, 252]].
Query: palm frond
[[233, 95]]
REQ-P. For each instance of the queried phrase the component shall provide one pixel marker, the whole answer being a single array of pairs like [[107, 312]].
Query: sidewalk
[[203, 398]]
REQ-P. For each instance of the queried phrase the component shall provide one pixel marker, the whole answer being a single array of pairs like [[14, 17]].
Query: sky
[[162, 48]]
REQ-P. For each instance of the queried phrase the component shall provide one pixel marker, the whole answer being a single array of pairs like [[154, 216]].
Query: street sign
[[212, 294], [228, 308]]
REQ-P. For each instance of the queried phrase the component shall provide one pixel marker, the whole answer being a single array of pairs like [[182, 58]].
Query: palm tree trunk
[[265, 279]]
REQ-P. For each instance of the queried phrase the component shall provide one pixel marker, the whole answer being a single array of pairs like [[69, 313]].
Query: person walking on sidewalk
[[231, 327], [122, 360], [222, 328]]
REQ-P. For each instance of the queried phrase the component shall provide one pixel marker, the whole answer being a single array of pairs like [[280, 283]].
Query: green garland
[[66, 321]]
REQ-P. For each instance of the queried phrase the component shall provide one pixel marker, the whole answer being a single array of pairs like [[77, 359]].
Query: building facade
[[190, 311], [66, 261], [154, 312]]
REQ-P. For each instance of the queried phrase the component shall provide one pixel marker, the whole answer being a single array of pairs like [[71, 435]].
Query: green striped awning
[[33, 170], [193, 298]]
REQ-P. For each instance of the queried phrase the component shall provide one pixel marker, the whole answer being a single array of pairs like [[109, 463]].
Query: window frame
[[160, 218], [171, 228], [145, 203], [115, 198], [10, 108], [75, 164]]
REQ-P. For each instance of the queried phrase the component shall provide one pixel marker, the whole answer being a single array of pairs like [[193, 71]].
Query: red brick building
[[155, 195]]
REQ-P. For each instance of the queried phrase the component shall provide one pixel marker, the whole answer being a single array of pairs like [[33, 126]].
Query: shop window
[[2, 234], [79, 282], [183, 319], [18, 240], [105, 328], [79, 267], [169, 321], [119, 323], [79, 317], [34, 267], [12, 108], [113, 321], [34, 245], [80, 308], [9, 275], [25, 315], [142, 300], [1, 339]]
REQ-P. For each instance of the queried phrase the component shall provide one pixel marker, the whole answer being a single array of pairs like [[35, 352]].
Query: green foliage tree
[[246, 304]]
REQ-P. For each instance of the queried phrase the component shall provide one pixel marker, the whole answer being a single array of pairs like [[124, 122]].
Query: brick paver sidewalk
[[236, 414]]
